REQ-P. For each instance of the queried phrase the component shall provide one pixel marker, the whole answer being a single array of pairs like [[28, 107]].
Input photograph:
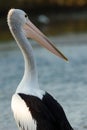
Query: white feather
[[22, 114]]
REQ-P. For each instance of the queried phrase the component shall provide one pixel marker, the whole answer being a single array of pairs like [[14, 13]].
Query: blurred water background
[[67, 82]]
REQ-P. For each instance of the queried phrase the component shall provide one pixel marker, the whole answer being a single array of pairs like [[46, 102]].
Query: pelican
[[33, 108]]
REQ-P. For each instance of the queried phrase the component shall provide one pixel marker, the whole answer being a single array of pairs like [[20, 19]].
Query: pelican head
[[31, 31], [17, 15]]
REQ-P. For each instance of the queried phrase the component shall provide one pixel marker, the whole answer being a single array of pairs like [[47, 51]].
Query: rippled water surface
[[67, 82]]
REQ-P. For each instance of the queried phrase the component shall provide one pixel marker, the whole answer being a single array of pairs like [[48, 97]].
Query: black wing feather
[[47, 112], [58, 112]]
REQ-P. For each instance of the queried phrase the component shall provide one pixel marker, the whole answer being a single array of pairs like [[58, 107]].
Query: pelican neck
[[30, 74]]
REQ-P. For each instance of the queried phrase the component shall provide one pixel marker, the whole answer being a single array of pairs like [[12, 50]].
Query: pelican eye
[[26, 15]]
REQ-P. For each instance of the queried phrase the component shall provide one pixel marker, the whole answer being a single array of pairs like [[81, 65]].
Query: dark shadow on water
[[52, 24]]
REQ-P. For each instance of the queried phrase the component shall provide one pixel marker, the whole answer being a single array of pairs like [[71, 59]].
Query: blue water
[[67, 82]]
